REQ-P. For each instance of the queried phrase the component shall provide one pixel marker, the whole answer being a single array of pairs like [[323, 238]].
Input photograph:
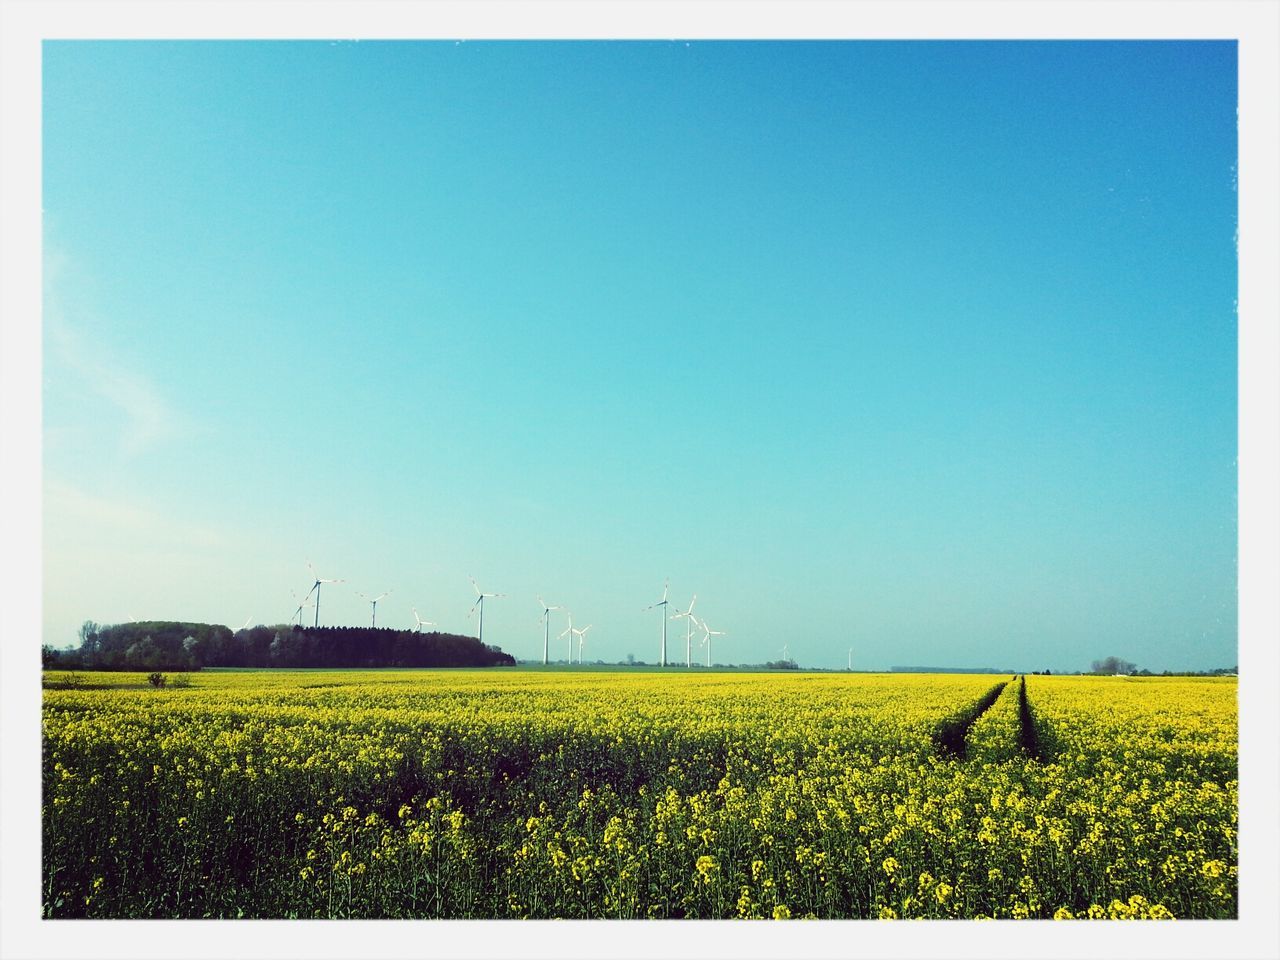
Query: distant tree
[[1114, 665], [89, 637], [141, 654]]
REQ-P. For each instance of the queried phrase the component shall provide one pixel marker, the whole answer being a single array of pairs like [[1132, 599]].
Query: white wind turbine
[[315, 588], [688, 632], [569, 631], [786, 653], [582, 636], [373, 622], [480, 598], [302, 602], [546, 627], [417, 627], [246, 622], [707, 634], [663, 604], [849, 667]]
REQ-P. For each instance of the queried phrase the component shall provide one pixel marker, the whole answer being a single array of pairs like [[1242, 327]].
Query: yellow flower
[[706, 866]]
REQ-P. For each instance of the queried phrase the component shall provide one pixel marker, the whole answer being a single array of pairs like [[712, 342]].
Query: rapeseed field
[[451, 794]]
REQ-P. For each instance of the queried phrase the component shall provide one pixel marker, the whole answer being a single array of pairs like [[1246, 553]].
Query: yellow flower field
[[489, 794]]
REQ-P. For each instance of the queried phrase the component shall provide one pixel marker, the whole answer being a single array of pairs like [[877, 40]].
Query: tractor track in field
[[950, 739], [1029, 731]]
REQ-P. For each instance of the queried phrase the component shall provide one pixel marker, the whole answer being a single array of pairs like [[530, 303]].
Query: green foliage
[[156, 679], [1113, 665], [65, 681], [176, 647]]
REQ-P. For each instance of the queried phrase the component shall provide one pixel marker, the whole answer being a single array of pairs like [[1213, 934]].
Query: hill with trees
[[172, 645]]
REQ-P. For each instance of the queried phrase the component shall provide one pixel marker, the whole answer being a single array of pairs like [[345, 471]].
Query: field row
[[415, 794]]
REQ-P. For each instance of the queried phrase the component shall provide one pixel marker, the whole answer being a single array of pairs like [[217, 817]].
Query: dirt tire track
[[1035, 735], [950, 738]]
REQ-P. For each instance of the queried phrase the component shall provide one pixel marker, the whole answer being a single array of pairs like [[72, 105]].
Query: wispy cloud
[[87, 518], [149, 419]]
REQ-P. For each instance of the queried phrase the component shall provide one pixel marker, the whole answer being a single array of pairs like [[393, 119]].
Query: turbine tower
[[707, 634], [315, 588], [688, 632], [582, 636], [663, 604], [480, 598], [546, 627], [417, 627], [374, 600], [850, 665]]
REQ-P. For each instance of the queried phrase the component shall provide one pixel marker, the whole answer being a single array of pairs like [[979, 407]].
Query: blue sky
[[926, 349]]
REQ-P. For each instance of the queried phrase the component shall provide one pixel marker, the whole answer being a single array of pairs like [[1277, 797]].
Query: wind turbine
[[480, 603], [707, 634], [582, 636], [546, 627], [374, 621], [302, 602], [568, 630], [850, 666], [420, 622], [786, 653], [663, 604], [315, 588], [246, 622], [688, 632]]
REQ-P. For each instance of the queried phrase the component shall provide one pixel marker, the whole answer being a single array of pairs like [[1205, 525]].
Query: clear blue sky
[[926, 349]]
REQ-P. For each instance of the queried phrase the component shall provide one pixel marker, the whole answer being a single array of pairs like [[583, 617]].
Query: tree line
[[176, 646]]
